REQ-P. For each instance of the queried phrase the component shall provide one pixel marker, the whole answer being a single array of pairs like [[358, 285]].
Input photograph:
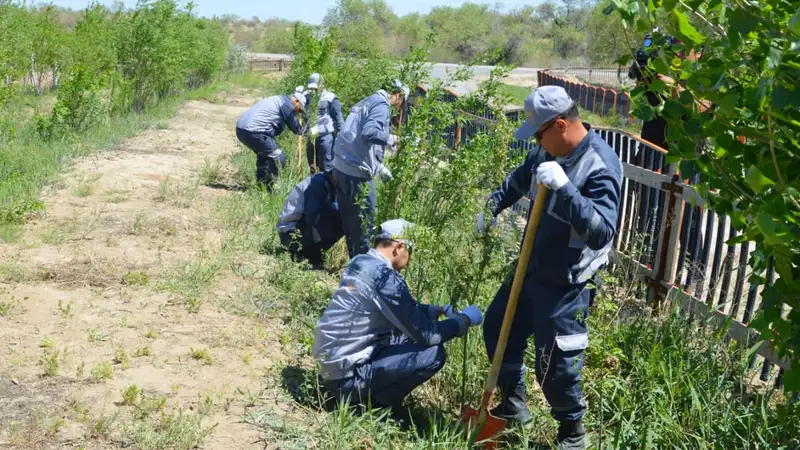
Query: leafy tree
[[48, 46], [15, 51], [362, 26], [747, 83], [606, 40], [279, 39]]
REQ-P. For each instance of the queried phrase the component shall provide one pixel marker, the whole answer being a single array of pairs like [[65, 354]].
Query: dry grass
[[39, 428], [93, 271]]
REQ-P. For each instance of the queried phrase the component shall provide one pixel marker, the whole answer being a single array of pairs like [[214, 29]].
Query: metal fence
[[269, 65], [677, 245], [614, 77], [597, 99]]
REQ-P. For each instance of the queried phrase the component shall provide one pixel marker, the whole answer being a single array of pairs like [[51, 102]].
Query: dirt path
[[104, 293]]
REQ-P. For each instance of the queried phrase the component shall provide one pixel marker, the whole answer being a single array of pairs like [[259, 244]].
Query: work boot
[[571, 436], [514, 406]]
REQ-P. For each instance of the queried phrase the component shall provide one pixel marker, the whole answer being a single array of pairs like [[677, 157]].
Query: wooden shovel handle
[[513, 298]]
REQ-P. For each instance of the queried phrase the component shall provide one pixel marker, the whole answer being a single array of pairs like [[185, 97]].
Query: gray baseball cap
[[395, 229], [544, 104], [314, 80]]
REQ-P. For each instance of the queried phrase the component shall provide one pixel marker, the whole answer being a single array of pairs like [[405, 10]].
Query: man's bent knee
[[440, 358]]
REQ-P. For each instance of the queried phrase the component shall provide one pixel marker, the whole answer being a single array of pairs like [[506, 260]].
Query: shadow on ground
[[227, 187]]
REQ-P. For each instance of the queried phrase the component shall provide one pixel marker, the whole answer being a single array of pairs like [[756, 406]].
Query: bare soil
[[83, 282]]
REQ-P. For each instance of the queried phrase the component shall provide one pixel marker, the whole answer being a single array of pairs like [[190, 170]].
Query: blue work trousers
[[269, 158], [556, 318], [357, 211], [396, 369], [319, 153]]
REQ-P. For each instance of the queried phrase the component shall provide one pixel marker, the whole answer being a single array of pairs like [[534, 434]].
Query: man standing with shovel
[[573, 241]]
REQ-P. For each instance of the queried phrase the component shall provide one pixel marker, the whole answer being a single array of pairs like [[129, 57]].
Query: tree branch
[[716, 28]]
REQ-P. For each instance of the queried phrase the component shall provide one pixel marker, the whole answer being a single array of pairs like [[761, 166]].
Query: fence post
[[457, 138], [667, 248]]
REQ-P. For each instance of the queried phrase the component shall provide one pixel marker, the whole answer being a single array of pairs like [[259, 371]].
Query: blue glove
[[473, 314]]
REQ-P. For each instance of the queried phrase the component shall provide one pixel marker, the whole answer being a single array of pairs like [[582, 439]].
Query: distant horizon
[[311, 12]]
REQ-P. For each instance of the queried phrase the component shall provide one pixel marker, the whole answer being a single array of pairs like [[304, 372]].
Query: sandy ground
[[77, 284]]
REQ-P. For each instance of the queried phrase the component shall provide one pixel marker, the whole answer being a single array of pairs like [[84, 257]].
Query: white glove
[[551, 175], [394, 140], [314, 130], [481, 224], [386, 174], [474, 315]]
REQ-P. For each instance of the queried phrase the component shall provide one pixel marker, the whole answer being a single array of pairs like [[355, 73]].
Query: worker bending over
[[573, 241], [374, 342], [309, 222], [329, 121], [358, 158], [258, 127]]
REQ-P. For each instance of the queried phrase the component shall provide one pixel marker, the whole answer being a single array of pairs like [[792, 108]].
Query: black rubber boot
[[514, 406], [571, 436]]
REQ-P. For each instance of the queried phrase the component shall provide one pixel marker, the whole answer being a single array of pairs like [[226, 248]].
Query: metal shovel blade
[[491, 428]]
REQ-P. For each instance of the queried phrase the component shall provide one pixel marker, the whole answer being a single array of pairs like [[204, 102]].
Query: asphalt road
[[523, 76]]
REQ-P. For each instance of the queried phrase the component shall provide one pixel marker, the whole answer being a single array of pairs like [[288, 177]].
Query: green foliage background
[[745, 84], [97, 70]]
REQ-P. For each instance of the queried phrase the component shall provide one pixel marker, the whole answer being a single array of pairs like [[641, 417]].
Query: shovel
[[481, 425]]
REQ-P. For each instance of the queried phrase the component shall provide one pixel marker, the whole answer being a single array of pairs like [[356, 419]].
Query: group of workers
[[374, 342]]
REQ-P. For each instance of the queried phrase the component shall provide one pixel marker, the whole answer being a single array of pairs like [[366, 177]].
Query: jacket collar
[[384, 94], [376, 254]]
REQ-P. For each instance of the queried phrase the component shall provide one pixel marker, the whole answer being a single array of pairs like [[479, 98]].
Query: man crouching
[[375, 343]]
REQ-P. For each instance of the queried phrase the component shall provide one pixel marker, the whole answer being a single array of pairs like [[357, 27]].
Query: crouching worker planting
[[375, 343], [309, 222]]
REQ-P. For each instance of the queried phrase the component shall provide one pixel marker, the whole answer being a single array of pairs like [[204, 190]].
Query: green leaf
[[794, 23], [756, 180], [741, 22], [673, 109], [766, 226], [774, 58], [791, 380], [686, 31], [669, 5]]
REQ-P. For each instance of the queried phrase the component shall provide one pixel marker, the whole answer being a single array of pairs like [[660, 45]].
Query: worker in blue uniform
[[328, 123], [358, 158], [258, 127], [309, 222], [572, 243], [374, 343]]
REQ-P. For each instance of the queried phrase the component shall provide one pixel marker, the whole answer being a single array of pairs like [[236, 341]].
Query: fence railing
[[677, 245], [269, 65], [614, 77], [597, 99]]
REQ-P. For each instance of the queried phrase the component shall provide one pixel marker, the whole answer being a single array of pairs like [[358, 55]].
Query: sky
[[309, 11]]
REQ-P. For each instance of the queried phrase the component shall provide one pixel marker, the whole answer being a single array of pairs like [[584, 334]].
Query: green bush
[[162, 48], [80, 104], [351, 78]]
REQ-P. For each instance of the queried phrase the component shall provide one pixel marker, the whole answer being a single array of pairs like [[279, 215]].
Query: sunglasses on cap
[[539, 134]]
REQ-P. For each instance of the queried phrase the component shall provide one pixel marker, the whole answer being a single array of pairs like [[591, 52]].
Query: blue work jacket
[[577, 229]]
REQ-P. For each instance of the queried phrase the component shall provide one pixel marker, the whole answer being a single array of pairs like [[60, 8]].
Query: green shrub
[[80, 105]]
